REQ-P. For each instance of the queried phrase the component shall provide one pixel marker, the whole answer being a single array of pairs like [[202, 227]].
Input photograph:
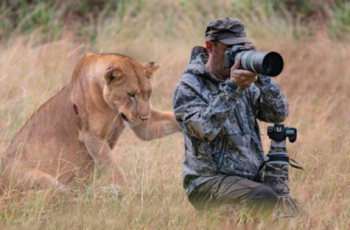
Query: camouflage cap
[[227, 30]]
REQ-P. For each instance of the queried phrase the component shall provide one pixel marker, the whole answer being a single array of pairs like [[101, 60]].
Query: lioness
[[77, 129]]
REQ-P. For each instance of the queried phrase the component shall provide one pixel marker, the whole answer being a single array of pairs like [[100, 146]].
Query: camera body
[[267, 63], [279, 133], [230, 54]]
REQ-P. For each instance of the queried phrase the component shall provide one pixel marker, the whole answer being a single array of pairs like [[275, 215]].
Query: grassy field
[[35, 65]]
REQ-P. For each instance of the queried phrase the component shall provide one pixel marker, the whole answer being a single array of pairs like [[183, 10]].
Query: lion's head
[[126, 86]]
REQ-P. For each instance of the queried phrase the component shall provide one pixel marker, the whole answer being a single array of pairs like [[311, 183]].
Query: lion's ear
[[114, 75], [151, 68]]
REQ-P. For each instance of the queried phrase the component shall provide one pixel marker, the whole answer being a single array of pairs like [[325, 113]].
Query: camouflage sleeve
[[270, 105], [200, 115]]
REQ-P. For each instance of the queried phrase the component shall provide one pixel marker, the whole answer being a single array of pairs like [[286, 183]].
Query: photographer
[[218, 108]]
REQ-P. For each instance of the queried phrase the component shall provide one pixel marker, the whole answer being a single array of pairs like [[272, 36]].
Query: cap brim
[[234, 40]]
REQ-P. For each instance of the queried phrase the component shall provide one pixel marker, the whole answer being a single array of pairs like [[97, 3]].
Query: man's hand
[[243, 78]]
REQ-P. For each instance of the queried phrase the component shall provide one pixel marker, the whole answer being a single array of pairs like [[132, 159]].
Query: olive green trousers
[[228, 189]]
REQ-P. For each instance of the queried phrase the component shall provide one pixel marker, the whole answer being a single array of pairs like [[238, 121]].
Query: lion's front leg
[[21, 178], [159, 125], [99, 149]]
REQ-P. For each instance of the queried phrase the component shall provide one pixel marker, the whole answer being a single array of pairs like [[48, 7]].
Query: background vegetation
[[41, 41]]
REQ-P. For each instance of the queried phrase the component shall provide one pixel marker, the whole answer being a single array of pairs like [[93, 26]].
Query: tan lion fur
[[57, 144]]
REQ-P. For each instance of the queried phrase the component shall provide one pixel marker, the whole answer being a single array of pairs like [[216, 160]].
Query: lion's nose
[[143, 118]]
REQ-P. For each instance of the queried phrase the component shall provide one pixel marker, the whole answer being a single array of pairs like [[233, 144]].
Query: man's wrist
[[263, 80]]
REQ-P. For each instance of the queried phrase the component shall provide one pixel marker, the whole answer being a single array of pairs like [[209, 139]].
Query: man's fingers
[[245, 73], [241, 77], [236, 65], [251, 46]]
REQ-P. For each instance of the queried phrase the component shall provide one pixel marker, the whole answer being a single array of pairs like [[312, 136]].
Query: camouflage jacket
[[219, 122]]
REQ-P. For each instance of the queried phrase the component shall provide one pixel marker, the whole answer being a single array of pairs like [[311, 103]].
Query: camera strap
[[285, 158], [296, 166]]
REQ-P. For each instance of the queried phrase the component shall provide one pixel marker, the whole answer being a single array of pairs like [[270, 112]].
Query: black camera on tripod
[[280, 133], [267, 63], [276, 164], [277, 160]]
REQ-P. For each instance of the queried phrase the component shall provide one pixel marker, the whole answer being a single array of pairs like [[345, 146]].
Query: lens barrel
[[268, 63]]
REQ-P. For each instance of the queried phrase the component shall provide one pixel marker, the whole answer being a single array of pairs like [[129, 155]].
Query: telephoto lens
[[268, 63]]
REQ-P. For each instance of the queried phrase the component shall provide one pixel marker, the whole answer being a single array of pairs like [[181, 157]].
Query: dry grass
[[315, 80]]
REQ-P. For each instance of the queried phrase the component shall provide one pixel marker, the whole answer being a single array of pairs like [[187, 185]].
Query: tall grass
[[315, 81]]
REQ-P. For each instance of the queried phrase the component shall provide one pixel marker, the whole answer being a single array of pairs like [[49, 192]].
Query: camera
[[268, 63], [279, 132], [275, 172]]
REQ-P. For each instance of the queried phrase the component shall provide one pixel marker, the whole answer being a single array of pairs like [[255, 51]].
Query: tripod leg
[[287, 207], [294, 205]]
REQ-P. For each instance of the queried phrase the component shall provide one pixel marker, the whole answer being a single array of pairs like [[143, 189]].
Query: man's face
[[218, 59]]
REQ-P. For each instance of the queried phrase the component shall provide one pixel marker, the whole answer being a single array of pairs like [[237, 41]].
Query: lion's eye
[[132, 95]]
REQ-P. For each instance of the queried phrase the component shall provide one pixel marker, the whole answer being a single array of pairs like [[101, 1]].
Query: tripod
[[275, 170]]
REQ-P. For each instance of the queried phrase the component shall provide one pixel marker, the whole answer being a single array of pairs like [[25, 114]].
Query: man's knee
[[262, 195], [266, 193]]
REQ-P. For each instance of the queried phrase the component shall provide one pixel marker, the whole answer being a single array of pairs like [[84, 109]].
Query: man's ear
[[151, 68], [209, 46], [114, 75]]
